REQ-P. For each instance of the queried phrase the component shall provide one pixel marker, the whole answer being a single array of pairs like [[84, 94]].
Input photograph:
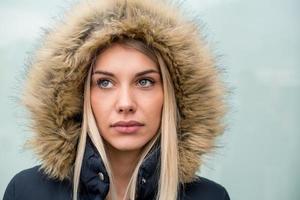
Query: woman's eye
[[104, 83], [145, 82]]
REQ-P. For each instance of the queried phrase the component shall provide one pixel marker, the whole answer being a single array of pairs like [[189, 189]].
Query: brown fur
[[54, 87]]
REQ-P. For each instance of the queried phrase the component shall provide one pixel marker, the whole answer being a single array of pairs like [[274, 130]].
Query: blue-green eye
[[145, 82], [104, 83]]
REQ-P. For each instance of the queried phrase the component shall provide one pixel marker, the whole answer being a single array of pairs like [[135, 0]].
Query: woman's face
[[126, 97]]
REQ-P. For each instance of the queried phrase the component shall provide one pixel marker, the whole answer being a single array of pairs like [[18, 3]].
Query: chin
[[127, 147], [127, 144], [134, 142]]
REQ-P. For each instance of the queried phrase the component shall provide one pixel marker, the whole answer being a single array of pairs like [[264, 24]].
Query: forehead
[[119, 57]]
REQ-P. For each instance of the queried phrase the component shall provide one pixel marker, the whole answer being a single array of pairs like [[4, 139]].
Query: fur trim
[[54, 87]]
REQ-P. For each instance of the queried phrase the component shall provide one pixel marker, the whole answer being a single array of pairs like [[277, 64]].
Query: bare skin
[[123, 164], [126, 88]]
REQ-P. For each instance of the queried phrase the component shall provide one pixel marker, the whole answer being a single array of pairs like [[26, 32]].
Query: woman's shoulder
[[205, 189], [32, 183]]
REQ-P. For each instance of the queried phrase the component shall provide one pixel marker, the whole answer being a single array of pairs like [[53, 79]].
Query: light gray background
[[259, 44]]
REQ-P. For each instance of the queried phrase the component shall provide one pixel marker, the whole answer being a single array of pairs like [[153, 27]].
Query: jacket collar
[[94, 179]]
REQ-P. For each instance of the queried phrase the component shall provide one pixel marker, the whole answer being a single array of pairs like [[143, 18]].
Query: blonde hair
[[168, 181]]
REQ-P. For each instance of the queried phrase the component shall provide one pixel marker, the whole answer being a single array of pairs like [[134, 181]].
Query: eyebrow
[[137, 74]]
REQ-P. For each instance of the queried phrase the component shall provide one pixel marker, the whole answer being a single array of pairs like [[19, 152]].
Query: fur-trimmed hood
[[53, 91]]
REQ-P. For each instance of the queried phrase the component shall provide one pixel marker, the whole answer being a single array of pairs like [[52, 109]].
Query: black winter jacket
[[33, 184]]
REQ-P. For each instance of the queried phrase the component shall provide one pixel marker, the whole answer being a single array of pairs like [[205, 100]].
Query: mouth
[[127, 126]]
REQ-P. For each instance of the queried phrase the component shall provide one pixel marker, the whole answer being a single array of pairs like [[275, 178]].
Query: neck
[[122, 164]]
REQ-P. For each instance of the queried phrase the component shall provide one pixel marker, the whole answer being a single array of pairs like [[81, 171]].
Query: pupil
[[105, 83], [102, 83]]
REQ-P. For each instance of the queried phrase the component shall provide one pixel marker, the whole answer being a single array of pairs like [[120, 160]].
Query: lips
[[127, 126], [127, 123]]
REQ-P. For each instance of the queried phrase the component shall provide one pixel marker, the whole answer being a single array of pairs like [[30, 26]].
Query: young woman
[[125, 99]]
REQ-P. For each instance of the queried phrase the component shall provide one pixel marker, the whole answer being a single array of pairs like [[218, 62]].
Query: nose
[[125, 101]]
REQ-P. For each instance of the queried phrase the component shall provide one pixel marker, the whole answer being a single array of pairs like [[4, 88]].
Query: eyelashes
[[146, 82], [105, 83]]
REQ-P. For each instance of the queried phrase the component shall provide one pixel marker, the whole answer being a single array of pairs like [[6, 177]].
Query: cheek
[[152, 105], [100, 108]]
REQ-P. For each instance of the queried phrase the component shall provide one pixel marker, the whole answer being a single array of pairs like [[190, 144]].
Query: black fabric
[[91, 186], [33, 184]]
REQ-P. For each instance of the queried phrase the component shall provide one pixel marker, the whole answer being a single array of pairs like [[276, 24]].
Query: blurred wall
[[258, 44]]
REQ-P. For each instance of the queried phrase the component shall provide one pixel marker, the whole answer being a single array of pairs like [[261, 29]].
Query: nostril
[[126, 109]]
